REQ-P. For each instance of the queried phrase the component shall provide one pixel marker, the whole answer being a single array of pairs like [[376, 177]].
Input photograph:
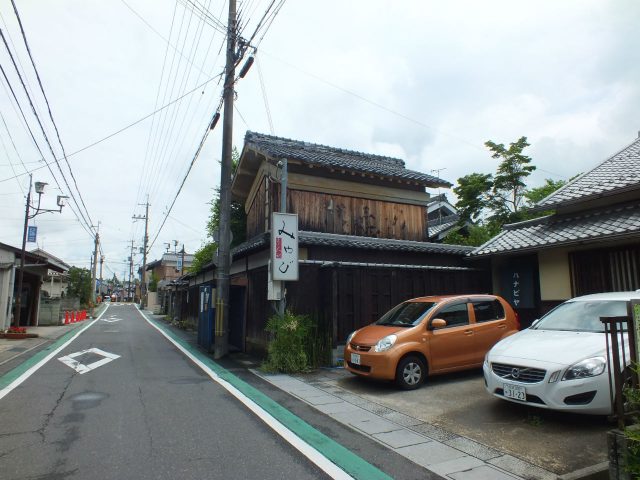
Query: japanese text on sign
[[284, 246]]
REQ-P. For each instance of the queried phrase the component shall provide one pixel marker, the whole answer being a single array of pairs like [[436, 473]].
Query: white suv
[[560, 362]]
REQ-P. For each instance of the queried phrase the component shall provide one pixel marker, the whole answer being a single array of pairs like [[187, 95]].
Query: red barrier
[[73, 317], [66, 317]]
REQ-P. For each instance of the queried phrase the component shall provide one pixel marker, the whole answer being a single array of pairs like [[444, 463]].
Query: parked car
[[560, 362], [106, 298], [428, 336]]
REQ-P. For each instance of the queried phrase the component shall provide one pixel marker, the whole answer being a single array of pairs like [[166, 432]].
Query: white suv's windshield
[[406, 314], [581, 316]]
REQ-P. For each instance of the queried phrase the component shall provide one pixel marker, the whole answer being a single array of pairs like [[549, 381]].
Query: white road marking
[[307, 450], [111, 320], [18, 381], [81, 368]]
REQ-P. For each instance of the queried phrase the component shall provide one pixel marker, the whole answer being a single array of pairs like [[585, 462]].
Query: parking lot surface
[[457, 410]]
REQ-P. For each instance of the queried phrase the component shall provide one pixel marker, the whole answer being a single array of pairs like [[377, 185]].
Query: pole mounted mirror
[[62, 201]]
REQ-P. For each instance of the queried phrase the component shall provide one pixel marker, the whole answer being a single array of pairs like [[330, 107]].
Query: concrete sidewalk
[[13, 349], [438, 450], [20, 350]]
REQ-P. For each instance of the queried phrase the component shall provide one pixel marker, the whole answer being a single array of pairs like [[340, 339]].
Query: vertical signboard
[[31, 234], [635, 316], [517, 285], [284, 246]]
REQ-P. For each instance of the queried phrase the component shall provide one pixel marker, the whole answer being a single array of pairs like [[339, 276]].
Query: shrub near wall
[[287, 351]]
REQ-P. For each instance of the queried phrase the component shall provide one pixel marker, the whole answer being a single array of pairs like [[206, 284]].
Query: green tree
[[203, 256], [509, 185], [79, 284], [153, 282], [473, 195], [493, 200], [534, 195], [237, 223], [477, 235]]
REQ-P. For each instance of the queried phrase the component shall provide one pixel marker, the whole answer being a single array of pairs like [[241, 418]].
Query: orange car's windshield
[[407, 314]]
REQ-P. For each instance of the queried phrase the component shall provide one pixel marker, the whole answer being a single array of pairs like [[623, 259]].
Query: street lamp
[[61, 201]]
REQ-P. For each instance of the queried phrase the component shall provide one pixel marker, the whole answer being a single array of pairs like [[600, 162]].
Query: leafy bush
[[287, 352], [632, 433]]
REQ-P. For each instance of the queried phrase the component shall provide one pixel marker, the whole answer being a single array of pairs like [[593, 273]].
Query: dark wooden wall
[[321, 212], [605, 270], [361, 296], [364, 295]]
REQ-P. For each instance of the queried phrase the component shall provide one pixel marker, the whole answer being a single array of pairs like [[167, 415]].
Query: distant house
[[442, 218], [55, 283], [363, 237], [169, 268], [590, 243], [36, 270]]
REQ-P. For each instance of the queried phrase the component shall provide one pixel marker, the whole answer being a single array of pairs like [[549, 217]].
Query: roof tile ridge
[[578, 178]]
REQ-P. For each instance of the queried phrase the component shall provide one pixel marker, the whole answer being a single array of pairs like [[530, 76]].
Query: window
[[488, 310], [407, 314], [454, 315]]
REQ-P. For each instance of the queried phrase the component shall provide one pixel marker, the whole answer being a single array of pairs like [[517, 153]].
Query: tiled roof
[[618, 173], [353, 241], [552, 231], [332, 157], [438, 226]]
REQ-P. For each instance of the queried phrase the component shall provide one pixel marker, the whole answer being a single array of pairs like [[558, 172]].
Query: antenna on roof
[[437, 172]]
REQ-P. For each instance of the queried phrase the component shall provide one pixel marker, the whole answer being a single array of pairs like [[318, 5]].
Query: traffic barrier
[[66, 317], [73, 317]]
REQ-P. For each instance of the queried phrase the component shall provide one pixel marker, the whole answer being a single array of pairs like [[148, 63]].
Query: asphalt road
[[149, 413]]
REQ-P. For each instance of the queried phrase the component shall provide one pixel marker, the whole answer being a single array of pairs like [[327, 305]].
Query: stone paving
[[444, 453]]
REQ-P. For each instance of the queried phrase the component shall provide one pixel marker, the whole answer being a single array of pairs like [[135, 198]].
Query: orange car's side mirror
[[437, 323]]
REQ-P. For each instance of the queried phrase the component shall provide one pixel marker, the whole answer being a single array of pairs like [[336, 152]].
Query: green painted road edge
[[11, 375], [345, 459]]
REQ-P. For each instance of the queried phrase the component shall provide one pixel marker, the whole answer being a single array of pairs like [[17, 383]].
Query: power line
[[193, 161], [46, 100], [35, 113], [111, 135]]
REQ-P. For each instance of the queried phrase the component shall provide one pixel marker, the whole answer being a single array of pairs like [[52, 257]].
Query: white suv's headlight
[[386, 343], [589, 367]]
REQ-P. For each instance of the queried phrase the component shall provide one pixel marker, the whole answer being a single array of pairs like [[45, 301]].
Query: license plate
[[355, 358], [515, 391]]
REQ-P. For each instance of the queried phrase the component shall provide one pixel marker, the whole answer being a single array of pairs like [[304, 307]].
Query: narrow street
[[139, 409]]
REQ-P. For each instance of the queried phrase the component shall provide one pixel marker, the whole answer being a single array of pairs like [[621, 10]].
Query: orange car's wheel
[[411, 372]]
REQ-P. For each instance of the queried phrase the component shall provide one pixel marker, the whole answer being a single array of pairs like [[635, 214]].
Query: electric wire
[[71, 193], [264, 97], [179, 135], [163, 156], [44, 95], [111, 135], [184, 179]]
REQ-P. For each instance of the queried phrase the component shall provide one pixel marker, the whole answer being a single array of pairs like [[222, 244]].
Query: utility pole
[[16, 315], [143, 286], [94, 266], [101, 262], [130, 272], [221, 339]]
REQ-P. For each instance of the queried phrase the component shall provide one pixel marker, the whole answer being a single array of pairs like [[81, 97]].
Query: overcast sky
[[425, 81]]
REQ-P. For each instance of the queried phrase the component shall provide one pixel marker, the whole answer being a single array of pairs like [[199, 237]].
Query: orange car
[[429, 336]]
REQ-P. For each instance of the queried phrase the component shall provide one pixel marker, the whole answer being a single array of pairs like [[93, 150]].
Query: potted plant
[[15, 333]]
